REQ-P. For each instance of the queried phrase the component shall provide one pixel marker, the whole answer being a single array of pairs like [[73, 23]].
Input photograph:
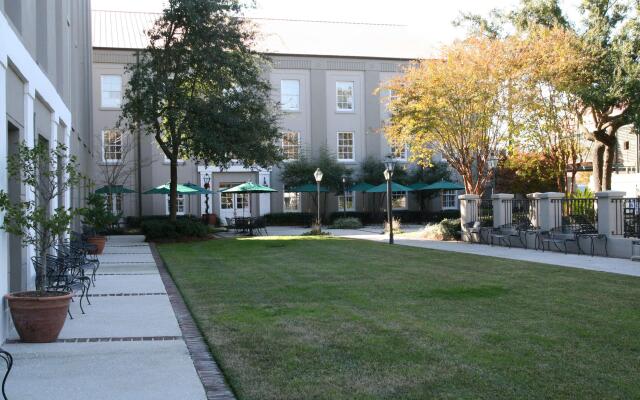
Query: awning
[[113, 189], [200, 189], [395, 187], [308, 188], [420, 186], [445, 185]]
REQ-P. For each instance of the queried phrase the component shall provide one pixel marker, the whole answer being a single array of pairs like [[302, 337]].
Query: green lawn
[[327, 318]]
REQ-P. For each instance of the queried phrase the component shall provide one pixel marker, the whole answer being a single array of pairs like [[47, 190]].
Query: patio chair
[[76, 254], [231, 224], [559, 236], [260, 225], [8, 359], [63, 277], [590, 232], [470, 229], [505, 232]]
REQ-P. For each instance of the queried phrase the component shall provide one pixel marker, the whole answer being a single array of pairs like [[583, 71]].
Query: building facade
[[45, 90], [327, 101]]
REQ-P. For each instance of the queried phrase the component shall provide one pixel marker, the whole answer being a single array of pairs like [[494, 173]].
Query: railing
[[574, 214], [521, 212], [485, 213], [627, 213]]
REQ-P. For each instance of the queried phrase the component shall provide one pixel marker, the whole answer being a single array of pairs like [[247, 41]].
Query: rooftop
[[126, 30]]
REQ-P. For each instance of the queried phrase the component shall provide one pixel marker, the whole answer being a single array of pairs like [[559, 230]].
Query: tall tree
[[198, 88], [458, 106]]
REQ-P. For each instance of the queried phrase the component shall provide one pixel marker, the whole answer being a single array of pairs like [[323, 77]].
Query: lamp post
[[207, 185], [344, 196], [493, 164], [318, 176], [389, 165]]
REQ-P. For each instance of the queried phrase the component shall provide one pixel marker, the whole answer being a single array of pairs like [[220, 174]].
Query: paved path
[[128, 345], [605, 264]]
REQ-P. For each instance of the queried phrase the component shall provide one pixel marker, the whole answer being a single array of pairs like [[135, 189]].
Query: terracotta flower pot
[[99, 242], [38, 318]]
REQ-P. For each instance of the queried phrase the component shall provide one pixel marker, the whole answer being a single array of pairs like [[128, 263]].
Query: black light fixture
[[344, 195], [318, 177], [493, 162], [389, 166], [207, 184]]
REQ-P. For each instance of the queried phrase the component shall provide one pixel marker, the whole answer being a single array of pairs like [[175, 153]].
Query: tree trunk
[[597, 160], [609, 161], [173, 190]]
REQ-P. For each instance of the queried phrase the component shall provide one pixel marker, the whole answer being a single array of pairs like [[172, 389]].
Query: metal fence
[[627, 214], [523, 212], [575, 214], [485, 213]]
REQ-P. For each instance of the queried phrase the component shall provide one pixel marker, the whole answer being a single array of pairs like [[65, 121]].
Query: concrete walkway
[[410, 238], [128, 345]]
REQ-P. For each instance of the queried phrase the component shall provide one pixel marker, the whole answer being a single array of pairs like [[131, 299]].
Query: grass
[[330, 318]]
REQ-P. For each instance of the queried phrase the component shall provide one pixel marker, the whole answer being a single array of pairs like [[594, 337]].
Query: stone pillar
[[609, 222], [4, 185], [534, 208], [29, 139], [469, 205], [502, 204], [549, 211]]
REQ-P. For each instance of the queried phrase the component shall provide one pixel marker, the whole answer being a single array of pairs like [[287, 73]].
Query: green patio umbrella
[[248, 187], [113, 189], [395, 187], [307, 188], [361, 187], [200, 189], [165, 189], [419, 186], [445, 185]]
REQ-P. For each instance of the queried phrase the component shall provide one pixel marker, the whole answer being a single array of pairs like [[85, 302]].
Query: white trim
[[111, 160], [353, 202], [455, 199], [290, 146], [406, 201], [353, 98], [289, 110], [166, 204], [110, 107], [292, 210]]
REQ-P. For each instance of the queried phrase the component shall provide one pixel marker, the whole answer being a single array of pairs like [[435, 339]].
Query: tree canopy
[[198, 88]]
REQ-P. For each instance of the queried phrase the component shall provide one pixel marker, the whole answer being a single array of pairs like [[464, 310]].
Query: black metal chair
[[260, 225], [559, 236], [65, 277], [8, 359], [78, 254]]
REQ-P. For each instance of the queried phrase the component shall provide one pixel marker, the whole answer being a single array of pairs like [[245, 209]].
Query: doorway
[[233, 204]]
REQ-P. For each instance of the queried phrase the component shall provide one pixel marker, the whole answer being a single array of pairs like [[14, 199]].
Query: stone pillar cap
[[469, 197], [503, 196], [551, 195], [535, 195], [610, 193]]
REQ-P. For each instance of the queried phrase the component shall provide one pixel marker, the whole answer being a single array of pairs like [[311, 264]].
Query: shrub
[[162, 228], [347, 223], [397, 227], [290, 219], [315, 232], [447, 229]]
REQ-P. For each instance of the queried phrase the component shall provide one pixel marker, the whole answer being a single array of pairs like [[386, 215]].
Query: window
[[399, 200], [112, 146], [180, 210], [290, 95], [291, 145], [226, 199], [114, 203], [344, 96], [348, 200], [111, 91], [291, 202], [626, 145], [449, 199], [345, 146], [400, 153]]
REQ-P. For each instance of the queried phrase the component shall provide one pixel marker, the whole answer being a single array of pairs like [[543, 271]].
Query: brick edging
[[215, 386]]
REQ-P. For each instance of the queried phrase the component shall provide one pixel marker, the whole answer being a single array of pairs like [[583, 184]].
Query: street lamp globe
[[389, 165], [318, 175]]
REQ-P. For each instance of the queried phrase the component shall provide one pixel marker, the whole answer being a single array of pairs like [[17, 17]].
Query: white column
[[4, 185], [501, 209], [550, 210], [29, 138], [534, 208], [264, 178], [67, 143], [609, 214]]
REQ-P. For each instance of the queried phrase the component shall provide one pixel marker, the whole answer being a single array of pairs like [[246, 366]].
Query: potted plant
[[47, 174], [98, 218]]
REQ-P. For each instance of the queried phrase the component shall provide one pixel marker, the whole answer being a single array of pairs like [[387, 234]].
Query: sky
[[431, 19]]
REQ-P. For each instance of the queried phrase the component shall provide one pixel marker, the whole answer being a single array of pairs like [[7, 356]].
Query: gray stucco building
[[327, 92]]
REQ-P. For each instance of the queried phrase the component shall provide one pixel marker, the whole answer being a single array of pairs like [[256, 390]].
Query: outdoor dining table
[[246, 224]]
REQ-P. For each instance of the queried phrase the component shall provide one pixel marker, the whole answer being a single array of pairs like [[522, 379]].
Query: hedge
[[405, 216], [290, 219], [162, 228]]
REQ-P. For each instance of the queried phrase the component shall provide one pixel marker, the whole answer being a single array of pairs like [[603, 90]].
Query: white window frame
[[404, 156], [115, 203], [353, 146], [291, 95], [293, 147], [110, 102], [341, 199], [298, 197], [181, 204], [452, 195], [339, 102], [103, 149], [400, 194]]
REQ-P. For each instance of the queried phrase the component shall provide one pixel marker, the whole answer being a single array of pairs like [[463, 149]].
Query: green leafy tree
[[300, 172], [199, 89], [97, 215], [47, 174], [525, 173]]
